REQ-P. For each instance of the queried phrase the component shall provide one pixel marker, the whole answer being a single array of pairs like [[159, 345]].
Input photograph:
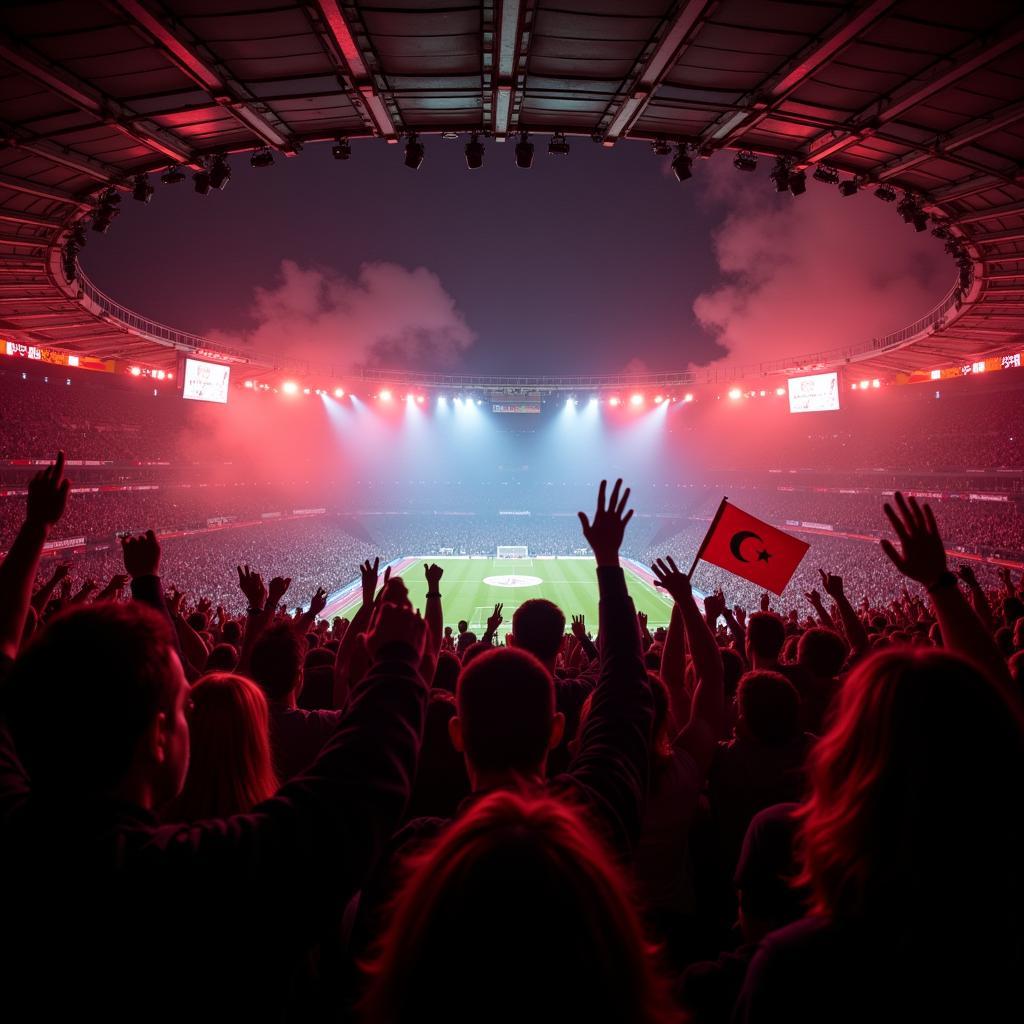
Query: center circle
[[512, 581]]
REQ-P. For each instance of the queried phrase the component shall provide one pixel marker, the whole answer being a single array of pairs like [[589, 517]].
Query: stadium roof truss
[[923, 95]]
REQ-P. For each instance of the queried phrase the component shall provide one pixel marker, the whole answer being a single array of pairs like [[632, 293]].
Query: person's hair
[[223, 658], [318, 657], [517, 902], [823, 652], [766, 633], [915, 795], [441, 780], [473, 651], [538, 627], [769, 706], [465, 641], [463, 625], [198, 621], [230, 768], [1013, 609], [276, 662], [83, 692], [506, 702], [446, 672], [231, 633]]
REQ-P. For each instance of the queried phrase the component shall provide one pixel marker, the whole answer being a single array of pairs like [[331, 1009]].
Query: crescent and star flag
[[747, 547]]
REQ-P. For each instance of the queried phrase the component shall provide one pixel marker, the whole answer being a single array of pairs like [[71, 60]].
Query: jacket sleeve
[[611, 768]]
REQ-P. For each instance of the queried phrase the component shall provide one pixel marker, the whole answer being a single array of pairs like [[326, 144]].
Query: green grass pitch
[[471, 587]]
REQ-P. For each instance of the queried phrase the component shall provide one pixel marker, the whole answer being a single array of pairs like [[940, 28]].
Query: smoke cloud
[[387, 315], [810, 273]]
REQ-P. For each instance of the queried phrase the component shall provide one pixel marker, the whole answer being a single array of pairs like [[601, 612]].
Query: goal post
[[513, 551]]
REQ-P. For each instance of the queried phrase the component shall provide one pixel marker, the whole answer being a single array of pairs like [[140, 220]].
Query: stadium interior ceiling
[[921, 103]]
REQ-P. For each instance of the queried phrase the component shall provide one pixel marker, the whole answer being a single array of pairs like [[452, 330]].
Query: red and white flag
[[748, 547]]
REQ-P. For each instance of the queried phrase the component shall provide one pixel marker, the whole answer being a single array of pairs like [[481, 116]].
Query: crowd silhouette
[[746, 816]]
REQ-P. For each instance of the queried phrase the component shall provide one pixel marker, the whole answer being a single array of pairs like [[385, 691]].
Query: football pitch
[[471, 587]]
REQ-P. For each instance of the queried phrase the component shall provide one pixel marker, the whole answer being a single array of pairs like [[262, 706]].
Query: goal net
[[513, 551]]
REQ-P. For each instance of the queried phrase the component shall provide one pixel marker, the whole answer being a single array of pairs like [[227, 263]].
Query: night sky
[[588, 263]]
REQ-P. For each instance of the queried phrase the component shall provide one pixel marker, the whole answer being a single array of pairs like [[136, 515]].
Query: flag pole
[[711, 530]]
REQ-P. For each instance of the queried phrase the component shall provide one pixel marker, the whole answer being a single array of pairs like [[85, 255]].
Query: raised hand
[[832, 585], [117, 583], [671, 578], [766, 601], [814, 597], [174, 601], [395, 623], [604, 533], [141, 554], [61, 572], [494, 620], [714, 605], [204, 605], [966, 573], [433, 573], [252, 586], [48, 494], [368, 574], [922, 556], [278, 588], [579, 628], [740, 614], [318, 602], [641, 617]]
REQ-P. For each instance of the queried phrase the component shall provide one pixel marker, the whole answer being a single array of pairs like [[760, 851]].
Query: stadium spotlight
[[682, 164], [262, 158], [636, 399], [341, 150], [106, 211], [920, 221], [524, 152], [305, 391], [136, 371], [826, 174], [414, 153], [474, 153], [735, 393], [289, 387], [688, 397], [220, 172], [865, 384], [658, 399], [248, 384], [420, 399], [660, 147], [558, 146], [849, 188], [385, 395], [780, 174], [745, 161], [780, 392], [797, 184], [173, 175], [142, 191], [614, 400], [339, 392], [201, 182], [886, 193], [876, 383], [479, 401]]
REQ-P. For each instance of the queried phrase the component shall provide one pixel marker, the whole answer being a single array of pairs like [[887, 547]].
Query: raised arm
[[433, 612], [853, 627], [673, 668], [42, 595], [922, 557], [611, 766], [494, 620], [47, 498], [347, 649], [707, 706], [979, 602]]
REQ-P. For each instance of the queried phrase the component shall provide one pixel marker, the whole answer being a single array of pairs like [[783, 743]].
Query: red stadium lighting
[[876, 383], [339, 392], [289, 387], [170, 376], [248, 384], [136, 371], [865, 384], [658, 399], [385, 395], [735, 394], [687, 397], [614, 400], [636, 399], [305, 391], [780, 392], [419, 399]]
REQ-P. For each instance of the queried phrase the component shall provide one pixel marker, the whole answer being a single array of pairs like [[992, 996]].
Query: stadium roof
[[923, 95]]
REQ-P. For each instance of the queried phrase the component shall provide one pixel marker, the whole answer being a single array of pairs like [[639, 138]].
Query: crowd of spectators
[[220, 807]]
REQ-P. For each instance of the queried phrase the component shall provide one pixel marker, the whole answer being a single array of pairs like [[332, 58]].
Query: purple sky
[[581, 264]]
